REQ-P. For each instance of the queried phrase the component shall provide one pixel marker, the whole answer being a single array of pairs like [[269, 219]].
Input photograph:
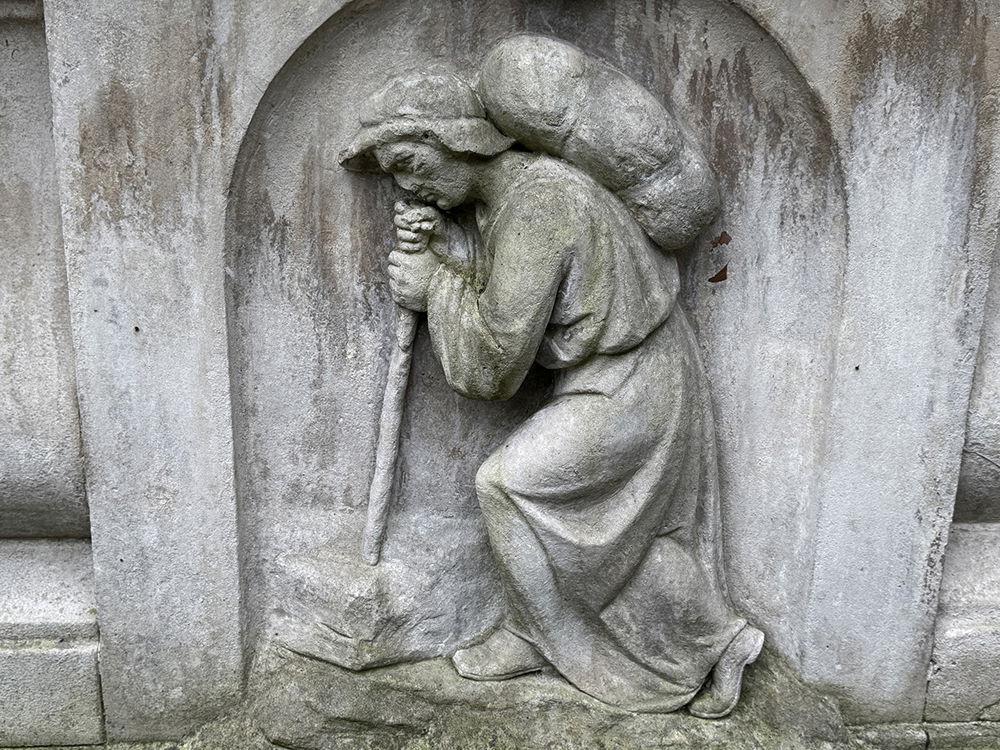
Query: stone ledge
[[48, 587], [978, 735], [49, 684], [970, 735], [50, 693], [964, 682]]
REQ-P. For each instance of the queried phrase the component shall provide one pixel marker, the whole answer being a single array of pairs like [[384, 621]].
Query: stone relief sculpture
[[602, 508]]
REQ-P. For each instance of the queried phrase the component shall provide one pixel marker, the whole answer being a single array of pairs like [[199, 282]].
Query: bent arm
[[487, 341]]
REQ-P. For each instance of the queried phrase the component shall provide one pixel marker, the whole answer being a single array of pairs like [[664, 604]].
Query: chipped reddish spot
[[722, 239]]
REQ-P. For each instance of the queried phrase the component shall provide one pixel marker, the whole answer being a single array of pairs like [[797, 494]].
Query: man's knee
[[490, 489]]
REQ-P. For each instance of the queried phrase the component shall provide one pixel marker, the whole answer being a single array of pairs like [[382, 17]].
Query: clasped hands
[[411, 266]]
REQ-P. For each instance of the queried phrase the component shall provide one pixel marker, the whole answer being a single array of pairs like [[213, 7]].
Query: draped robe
[[602, 508]]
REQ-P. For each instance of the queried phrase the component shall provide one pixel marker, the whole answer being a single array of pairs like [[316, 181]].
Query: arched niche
[[310, 318]]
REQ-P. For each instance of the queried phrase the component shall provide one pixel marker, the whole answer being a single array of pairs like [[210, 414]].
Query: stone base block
[[49, 687], [964, 682], [47, 590], [50, 694]]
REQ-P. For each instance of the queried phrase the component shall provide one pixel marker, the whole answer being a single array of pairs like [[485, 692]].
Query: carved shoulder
[[547, 211]]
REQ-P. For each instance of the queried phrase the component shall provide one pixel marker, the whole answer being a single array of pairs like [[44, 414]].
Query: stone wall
[[188, 265], [49, 684], [41, 482]]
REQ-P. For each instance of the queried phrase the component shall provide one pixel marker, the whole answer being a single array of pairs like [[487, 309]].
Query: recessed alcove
[[310, 318]]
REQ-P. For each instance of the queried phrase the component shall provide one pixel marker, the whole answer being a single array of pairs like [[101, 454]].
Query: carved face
[[432, 174]]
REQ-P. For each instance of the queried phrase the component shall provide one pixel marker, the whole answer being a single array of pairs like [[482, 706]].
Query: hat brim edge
[[471, 135]]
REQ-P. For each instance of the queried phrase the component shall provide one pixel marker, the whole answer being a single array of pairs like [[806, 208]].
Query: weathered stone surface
[[41, 467], [554, 98], [49, 685], [841, 361], [932, 736], [893, 736], [963, 736], [978, 496], [310, 308], [306, 705], [21, 10], [913, 289], [49, 693], [47, 590], [343, 610], [799, 464], [964, 677], [602, 507], [138, 107]]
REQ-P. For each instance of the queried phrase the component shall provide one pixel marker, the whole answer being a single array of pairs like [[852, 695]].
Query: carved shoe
[[723, 692], [501, 656]]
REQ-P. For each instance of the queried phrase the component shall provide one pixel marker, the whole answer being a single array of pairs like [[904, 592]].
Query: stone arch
[[309, 315]]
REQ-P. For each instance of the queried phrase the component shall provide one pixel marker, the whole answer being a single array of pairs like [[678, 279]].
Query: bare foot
[[501, 656], [723, 692]]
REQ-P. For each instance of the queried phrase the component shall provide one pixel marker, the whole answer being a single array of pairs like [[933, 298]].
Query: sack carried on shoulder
[[553, 97]]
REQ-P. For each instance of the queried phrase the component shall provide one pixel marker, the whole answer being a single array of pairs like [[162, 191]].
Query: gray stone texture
[[49, 684], [855, 141], [917, 265], [964, 677], [963, 736], [47, 590], [307, 705], [840, 421], [139, 106], [979, 483], [50, 694], [41, 467], [289, 195], [932, 736]]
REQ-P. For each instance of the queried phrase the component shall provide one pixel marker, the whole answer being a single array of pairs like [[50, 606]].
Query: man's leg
[[562, 455]]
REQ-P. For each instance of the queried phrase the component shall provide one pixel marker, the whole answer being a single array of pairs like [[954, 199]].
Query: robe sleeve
[[487, 341]]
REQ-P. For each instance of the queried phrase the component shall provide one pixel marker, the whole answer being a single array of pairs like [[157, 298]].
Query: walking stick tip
[[370, 553]]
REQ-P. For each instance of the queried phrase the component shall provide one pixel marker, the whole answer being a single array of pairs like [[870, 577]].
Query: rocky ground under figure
[[307, 704], [299, 703]]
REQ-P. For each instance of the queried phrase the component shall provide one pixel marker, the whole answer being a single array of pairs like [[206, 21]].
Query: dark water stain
[[936, 44], [372, 239], [113, 170], [257, 242], [215, 105]]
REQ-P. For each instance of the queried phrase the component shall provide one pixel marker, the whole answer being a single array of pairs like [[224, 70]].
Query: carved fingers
[[416, 226], [409, 277], [411, 242], [408, 212]]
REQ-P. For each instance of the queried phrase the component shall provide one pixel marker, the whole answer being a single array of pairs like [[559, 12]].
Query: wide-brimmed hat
[[424, 107]]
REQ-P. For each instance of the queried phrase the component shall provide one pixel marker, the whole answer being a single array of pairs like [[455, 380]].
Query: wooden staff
[[390, 421]]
